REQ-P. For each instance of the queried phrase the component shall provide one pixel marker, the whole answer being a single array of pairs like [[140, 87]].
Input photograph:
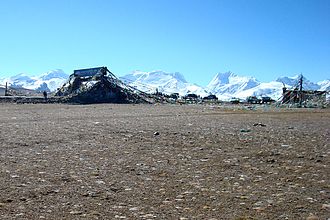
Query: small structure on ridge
[[299, 96], [99, 85]]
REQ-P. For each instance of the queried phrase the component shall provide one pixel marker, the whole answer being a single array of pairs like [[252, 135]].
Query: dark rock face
[[43, 87]]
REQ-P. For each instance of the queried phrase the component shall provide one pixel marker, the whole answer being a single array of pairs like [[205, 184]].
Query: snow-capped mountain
[[225, 85], [228, 85], [271, 89], [293, 82], [48, 81], [163, 82], [324, 85]]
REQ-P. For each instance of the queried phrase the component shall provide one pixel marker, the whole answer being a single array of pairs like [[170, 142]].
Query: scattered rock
[[213, 172], [326, 206], [259, 124], [312, 217], [9, 200], [134, 209], [100, 182], [76, 212]]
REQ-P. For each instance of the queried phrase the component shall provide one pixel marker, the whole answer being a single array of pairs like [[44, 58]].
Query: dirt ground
[[109, 161]]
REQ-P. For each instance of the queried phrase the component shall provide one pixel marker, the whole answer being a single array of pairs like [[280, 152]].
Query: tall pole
[[300, 90], [6, 89]]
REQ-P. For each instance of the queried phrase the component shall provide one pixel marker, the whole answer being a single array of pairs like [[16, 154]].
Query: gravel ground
[[163, 162]]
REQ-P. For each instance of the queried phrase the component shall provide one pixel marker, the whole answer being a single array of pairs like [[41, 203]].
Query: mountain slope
[[163, 82], [272, 89], [48, 81], [324, 85], [226, 84], [294, 81]]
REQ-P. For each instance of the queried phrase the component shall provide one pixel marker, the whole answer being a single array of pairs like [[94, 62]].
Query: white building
[[2, 90]]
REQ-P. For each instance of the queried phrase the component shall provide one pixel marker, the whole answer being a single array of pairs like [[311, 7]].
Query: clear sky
[[198, 38]]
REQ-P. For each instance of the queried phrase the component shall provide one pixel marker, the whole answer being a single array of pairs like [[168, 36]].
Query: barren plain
[[109, 161]]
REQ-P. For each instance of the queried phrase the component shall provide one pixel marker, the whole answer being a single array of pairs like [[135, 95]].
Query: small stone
[[156, 133], [312, 217], [134, 209], [326, 206], [285, 145], [76, 212], [259, 209], [259, 124], [95, 173], [95, 213], [85, 194]]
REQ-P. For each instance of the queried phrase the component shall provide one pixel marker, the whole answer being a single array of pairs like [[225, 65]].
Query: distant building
[[91, 72], [210, 97], [297, 96], [266, 99], [191, 96], [2, 91], [94, 85], [301, 96], [175, 95], [253, 100]]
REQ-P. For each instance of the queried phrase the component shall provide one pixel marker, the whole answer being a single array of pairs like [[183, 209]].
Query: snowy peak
[[324, 85], [163, 82], [48, 81], [294, 81], [222, 78], [291, 81], [227, 85], [154, 77], [20, 80], [58, 73], [224, 85], [21, 77], [230, 83]]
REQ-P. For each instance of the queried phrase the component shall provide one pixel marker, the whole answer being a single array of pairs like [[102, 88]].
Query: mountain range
[[162, 82], [48, 81], [224, 85]]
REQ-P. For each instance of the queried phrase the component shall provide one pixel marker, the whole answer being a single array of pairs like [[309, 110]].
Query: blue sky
[[198, 38]]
